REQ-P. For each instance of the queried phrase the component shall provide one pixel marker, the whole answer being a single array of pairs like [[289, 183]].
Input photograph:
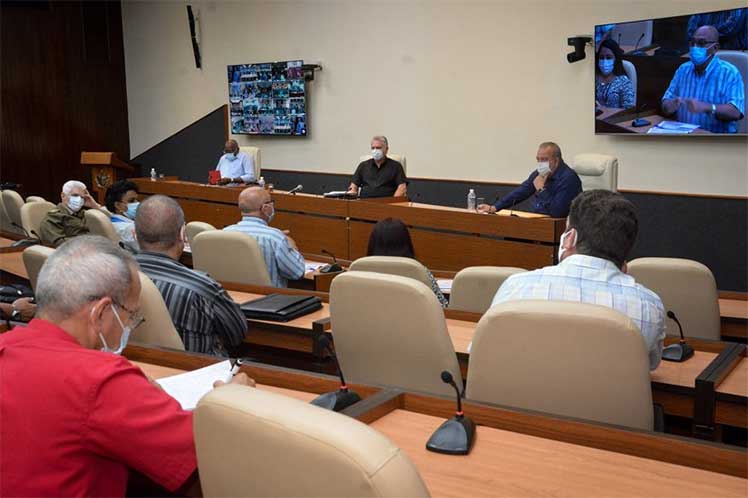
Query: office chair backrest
[[32, 214], [12, 201], [390, 330], [35, 198], [474, 288], [157, 329], [596, 171], [393, 265], [630, 70], [395, 157], [572, 359], [687, 288], [254, 153], [99, 224], [230, 257], [34, 258], [195, 227], [297, 449]]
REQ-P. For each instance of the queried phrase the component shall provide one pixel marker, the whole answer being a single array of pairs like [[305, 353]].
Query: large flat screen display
[[268, 98], [683, 75]]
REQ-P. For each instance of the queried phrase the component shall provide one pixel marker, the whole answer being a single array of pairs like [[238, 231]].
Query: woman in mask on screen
[[612, 87]]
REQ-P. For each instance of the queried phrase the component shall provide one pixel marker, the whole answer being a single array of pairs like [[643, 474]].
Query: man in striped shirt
[[282, 256], [706, 90], [207, 319], [600, 233]]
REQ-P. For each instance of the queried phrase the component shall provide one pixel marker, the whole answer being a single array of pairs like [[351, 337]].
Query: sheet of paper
[[672, 128], [445, 284], [312, 266], [189, 387]]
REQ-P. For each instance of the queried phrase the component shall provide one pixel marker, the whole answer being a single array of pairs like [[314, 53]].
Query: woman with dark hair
[[122, 201], [612, 87], [390, 237]]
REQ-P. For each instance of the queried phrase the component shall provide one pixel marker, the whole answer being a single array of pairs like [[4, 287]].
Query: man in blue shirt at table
[[235, 166], [706, 90], [553, 183]]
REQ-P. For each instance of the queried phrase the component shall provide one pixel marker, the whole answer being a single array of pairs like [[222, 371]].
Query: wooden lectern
[[106, 168]]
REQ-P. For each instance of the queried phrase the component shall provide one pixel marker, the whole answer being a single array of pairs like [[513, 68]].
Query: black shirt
[[379, 181]]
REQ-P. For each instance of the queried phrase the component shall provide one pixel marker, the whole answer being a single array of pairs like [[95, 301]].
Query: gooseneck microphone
[[641, 37], [343, 397], [511, 209], [297, 188], [456, 435], [677, 352]]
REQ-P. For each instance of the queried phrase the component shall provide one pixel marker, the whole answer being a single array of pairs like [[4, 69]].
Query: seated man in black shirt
[[379, 176]]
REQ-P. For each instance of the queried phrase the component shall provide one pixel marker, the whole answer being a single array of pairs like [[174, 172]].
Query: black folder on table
[[280, 307]]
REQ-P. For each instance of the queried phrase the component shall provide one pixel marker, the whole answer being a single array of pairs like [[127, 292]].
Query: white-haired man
[[380, 176], [67, 219], [76, 417]]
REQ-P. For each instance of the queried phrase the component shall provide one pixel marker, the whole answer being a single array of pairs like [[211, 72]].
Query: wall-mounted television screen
[[683, 75], [268, 99]]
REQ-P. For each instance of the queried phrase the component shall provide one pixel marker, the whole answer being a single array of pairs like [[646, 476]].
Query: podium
[[106, 168]]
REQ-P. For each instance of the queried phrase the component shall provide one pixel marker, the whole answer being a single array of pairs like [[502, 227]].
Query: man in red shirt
[[74, 417]]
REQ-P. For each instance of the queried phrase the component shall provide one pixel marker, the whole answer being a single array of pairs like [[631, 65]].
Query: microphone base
[[638, 122], [677, 352], [453, 437], [336, 401], [333, 268]]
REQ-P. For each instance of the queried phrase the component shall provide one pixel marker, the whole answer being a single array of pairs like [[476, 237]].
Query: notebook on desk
[[280, 308]]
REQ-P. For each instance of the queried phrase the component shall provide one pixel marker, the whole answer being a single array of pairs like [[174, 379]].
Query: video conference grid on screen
[[267, 98], [648, 78]]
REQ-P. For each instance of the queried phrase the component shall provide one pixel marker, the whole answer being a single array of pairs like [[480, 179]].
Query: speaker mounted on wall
[[193, 34]]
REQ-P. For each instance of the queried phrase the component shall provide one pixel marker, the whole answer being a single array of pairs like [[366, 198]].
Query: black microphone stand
[[456, 435]]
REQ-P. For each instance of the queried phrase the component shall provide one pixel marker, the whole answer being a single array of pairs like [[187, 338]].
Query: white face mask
[[377, 154], [561, 249], [75, 203], [123, 338], [544, 168]]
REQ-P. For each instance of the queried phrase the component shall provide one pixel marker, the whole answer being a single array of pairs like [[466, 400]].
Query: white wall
[[466, 89]]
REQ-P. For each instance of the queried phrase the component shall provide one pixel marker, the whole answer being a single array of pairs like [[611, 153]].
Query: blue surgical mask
[[606, 65], [230, 156], [377, 154], [75, 203], [132, 209], [123, 338], [698, 55]]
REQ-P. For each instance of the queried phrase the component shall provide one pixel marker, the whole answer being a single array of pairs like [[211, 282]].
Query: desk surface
[[303, 322], [5, 242], [12, 262], [733, 308], [682, 374], [505, 463]]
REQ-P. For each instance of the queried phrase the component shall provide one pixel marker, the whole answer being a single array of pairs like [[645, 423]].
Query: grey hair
[[70, 185], [381, 138], [553, 146], [158, 222], [82, 269]]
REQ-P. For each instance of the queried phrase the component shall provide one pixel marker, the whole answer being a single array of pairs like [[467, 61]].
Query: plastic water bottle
[[261, 182], [471, 200], [154, 177]]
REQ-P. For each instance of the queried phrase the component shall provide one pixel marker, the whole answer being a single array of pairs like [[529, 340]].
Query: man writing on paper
[[706, 90], [554, 185], [76, 416], [379, 176], [235, 166]]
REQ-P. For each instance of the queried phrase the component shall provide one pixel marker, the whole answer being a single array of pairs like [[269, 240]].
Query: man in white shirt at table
[[235, 166]]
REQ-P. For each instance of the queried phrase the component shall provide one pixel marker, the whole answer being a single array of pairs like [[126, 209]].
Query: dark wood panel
[[314, 233]]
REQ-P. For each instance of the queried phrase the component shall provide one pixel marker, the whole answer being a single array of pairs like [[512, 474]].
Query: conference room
[[442, 294]]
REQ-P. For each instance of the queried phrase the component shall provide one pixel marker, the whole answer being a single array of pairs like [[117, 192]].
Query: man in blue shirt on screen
[[706, 90], [554, 185], [235, 166]]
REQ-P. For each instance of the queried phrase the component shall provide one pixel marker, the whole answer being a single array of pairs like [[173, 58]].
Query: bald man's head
[[231, 147], [159, 223], [256, 201], [708, 33]]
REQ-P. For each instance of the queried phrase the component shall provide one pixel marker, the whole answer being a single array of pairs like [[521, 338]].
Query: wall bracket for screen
[[578, 42], [309, 71]]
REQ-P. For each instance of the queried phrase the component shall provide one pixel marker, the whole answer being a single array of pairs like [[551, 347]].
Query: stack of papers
[[312, 266], [189, 387], [445, 285], [672, 128]]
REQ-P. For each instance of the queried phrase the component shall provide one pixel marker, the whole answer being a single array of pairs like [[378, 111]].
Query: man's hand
[[240, 379], [539, 182], [671, 105], [486, 209], [89, 202], [697, 106], [25, 307], [224, 181]]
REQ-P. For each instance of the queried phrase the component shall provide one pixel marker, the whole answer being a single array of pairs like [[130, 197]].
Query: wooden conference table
[[445, 238], [516, 453]]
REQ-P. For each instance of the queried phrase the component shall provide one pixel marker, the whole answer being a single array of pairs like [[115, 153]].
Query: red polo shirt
[[74, 420]]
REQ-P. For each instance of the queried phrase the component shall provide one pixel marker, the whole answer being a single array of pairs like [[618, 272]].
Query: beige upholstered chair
[[33, 259], [630, 70], [195, 227], [395, 157], [474, 288], [572, 359], [297, 449], [739, 59], [12, 202], [390, 330], [157, 329], [32, 214], [687, 288], [35, 198], [230, 257], [597, 171], [99, 223], [254, 153], [5, 224], [393, 265]]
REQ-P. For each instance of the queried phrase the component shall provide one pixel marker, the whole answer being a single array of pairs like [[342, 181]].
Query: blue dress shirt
[[242, 167], [560, 189]]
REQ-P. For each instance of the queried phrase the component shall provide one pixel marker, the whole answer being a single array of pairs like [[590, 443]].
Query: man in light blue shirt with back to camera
[[282, 256], [600, 233], [235, 166]]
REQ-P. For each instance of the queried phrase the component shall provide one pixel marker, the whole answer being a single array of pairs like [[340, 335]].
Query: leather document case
[[280, 308]]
